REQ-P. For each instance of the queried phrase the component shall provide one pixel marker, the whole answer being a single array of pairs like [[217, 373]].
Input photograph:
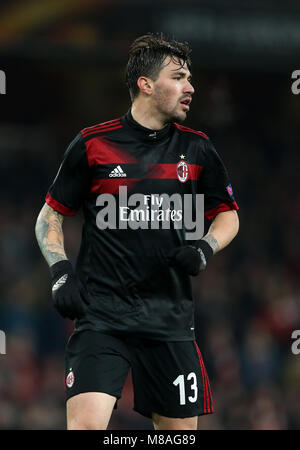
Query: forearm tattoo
[[212, 242], [49, 234]]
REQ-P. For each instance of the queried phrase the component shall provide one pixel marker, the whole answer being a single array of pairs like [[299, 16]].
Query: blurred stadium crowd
[[247, 301]]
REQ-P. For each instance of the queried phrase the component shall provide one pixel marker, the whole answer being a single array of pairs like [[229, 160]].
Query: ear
[[145, 85]]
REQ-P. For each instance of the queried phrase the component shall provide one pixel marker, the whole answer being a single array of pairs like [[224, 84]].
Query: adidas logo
[[117, 172]]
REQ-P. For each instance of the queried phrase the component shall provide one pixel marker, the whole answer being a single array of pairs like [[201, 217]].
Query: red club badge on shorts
[[70, 379], [182, 170]]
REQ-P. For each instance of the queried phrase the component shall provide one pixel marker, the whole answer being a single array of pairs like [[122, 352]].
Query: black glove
[[191, 259], [69, 296]]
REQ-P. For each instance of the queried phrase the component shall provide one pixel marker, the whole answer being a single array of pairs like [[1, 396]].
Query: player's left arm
[[220, 207], [191, 259], [223, 230]]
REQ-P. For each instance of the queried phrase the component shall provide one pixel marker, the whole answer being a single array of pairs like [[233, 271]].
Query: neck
[[145, 115]]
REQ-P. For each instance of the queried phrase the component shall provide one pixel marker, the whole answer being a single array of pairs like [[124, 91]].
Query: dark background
[[65, 65]]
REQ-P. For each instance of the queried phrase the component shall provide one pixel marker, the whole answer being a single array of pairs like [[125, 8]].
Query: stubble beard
[[166, 113], [171, 115], [179, 117]]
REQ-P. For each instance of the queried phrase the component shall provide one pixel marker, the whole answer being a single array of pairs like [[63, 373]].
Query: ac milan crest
[[70, 379], [182, 171]]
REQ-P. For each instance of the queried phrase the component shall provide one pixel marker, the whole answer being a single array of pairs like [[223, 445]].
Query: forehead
[[171, 65]]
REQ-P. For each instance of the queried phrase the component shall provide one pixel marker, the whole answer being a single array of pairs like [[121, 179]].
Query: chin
[[175, 116], [179, 117]]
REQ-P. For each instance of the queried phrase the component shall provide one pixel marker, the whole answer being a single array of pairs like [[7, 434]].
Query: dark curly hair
[[147, 54]]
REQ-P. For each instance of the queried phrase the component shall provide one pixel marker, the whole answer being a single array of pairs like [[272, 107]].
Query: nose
[[189, 88]]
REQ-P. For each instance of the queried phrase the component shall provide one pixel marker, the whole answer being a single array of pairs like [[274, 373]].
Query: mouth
[[186, 103]]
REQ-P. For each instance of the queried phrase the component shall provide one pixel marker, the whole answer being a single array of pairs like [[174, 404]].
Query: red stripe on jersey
[[101, 125], [59, 207], [203, 381], [209, 399], [102, 130], [109, 122], [111, 185], [101, 150], [189, 130], [211, 213], [196, 169], [157, 171], [169, 171], [206, 385], [210, 396]]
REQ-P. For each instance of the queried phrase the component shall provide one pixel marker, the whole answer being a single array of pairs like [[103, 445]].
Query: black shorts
[[169, 378]]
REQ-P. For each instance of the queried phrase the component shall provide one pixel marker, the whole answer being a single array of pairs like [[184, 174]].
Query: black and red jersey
[[131, 288]]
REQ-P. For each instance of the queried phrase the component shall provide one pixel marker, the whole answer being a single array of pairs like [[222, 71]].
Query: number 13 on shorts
[[180, 381]]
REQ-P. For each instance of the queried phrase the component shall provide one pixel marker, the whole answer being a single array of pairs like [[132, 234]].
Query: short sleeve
[[215, 184], [70, 186]]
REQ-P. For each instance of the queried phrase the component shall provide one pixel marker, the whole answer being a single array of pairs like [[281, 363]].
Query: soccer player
[[130, 295]]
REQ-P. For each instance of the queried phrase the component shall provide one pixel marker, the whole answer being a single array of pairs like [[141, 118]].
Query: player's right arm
[[49, 234], [68, 294], [64, 197]]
